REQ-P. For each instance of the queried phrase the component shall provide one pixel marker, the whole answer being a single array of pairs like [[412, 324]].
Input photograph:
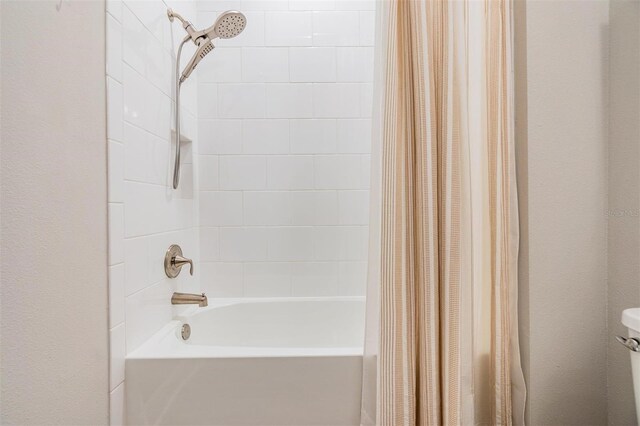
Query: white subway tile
[[145, 156], [217, 5], [150, 14], [288, 29], [233, 121], [355, 64], [145, 105], [159, 66], [338, 28], [222, 279], [223, 65], [209, 244], [140, 199], [186, 182], [315, 279], [116, 171], [147, 311], [353, 278], [136, 265], [243, 244], [356, 5], [366, 100], [267, 208], [114, 8], [265, 136], [265, 64], [340, 243], [355, 243], [208, 100], [208, 172], [114, 110], [314, 208], [365, 174], [116, 294], [220, 136], [290, 172], [354, 207], [116, 406], [116, 233], [244, 100], [354, 136], [289, 100], [312, 4], [243, 172], [326, 243], [134, 42], [118, 352], [367, 28], [289, 244], [114, 48], [337, 171], [220, 208], [169, 211], [189, 94], [265, 4], [267, 279], [312, 64], [336, 100], [313, 136]]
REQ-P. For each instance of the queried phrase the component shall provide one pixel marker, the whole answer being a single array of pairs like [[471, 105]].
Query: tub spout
[[189, 299]]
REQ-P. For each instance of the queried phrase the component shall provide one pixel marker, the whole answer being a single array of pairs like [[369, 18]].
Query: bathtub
[[268, 361]]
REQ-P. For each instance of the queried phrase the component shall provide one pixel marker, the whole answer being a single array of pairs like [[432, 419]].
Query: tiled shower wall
[[145, 214], [284, 127]]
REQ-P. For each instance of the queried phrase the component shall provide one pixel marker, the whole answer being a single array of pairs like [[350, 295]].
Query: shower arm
[[176, 164], [188, 27]]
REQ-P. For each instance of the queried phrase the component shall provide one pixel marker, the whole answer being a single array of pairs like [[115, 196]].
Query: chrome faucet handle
[[174, 261]]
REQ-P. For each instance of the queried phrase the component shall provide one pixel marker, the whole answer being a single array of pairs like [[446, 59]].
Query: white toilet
[[631, 319]]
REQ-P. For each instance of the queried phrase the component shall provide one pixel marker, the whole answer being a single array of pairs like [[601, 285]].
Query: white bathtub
[[252, 362]]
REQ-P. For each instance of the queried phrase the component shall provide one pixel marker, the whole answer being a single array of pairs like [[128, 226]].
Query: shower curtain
[[442, 332]]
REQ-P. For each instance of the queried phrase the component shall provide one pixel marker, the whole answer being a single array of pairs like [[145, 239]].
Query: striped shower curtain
[[442, 333]]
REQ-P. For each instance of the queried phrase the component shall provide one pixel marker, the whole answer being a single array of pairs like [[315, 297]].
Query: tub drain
[[185, 332]]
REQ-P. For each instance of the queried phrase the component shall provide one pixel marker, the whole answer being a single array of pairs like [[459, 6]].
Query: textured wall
[[624, 199], [565, 232], [53, 248]]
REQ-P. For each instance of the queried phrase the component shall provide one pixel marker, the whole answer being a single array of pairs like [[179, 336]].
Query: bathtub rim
[[166, 343]]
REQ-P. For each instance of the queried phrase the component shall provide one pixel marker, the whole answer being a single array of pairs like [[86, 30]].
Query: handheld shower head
[[204, 48], [228, 25]]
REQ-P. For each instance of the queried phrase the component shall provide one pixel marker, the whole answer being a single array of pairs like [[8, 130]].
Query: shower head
[[228, 25]]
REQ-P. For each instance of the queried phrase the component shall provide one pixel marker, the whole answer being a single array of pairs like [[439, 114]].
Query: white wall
[[284, 126], [146, 215], [624, 200], [53, 247], [564, 234]]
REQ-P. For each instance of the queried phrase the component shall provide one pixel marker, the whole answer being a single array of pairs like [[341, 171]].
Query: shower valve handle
[[174, 261], [180, 261]]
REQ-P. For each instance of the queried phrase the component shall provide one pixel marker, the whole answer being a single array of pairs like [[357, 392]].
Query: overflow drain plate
[[185, 332]]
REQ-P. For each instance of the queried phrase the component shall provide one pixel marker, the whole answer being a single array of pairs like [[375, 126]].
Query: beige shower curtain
[[441, 340]]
